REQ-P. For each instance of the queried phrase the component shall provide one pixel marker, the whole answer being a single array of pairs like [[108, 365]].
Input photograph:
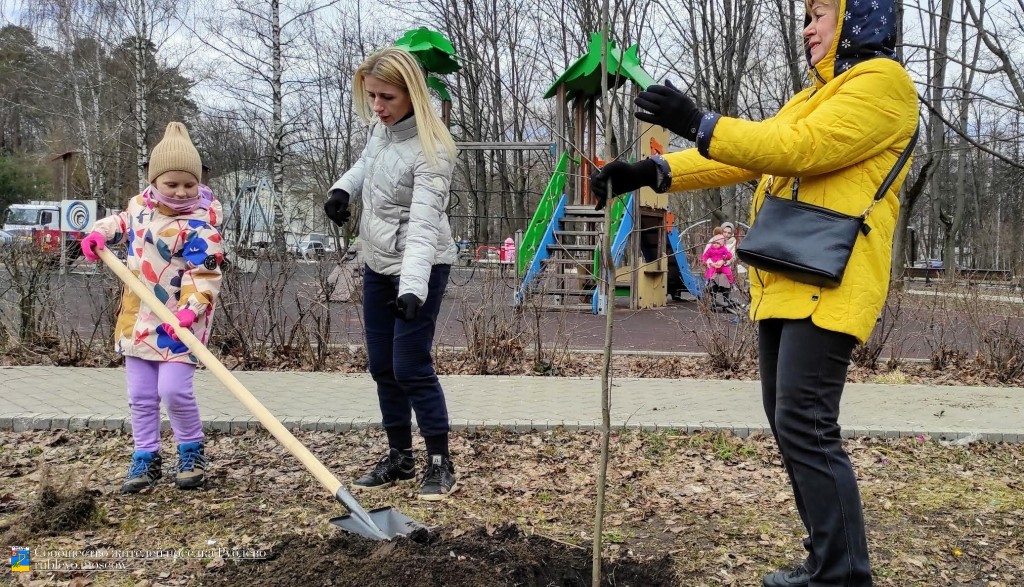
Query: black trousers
[[803, 372], [401, 363]]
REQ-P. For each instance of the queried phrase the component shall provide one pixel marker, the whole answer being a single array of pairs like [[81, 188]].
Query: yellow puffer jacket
[[841, 137]]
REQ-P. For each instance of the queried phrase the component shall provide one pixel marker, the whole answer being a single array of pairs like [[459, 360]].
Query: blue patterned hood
[[866, 30]]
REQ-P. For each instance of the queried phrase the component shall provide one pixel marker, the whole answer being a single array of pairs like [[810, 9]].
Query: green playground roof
[[434, 51], [583, 78]]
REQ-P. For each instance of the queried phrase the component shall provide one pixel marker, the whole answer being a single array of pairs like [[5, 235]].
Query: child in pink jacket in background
[[717, 259], [176, 250]]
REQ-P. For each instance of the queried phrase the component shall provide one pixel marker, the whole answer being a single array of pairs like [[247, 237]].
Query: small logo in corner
[[20, 560]]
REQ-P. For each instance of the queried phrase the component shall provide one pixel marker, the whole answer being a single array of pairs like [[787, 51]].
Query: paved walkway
[[66, 397]]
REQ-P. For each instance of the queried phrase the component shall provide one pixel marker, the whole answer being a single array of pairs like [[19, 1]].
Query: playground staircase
[[557, 259], [568, 280], [561, 272]]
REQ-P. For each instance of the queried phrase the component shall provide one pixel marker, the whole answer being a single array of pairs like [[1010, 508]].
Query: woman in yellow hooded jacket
[[841, 136]]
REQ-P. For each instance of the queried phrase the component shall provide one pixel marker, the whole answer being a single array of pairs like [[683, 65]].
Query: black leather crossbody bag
[[808, 243]]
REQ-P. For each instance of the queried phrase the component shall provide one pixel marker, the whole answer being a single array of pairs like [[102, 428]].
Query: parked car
[[310, 250], [932, 264]]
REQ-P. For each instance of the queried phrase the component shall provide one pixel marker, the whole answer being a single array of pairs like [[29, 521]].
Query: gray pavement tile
[[220, 425], [76, 423], [325, 424], [116, 423], [23, 423], [290, 423], [43, 421], [58, 422]]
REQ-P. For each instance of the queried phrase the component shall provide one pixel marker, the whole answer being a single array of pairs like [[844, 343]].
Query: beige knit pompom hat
[[175, 152]]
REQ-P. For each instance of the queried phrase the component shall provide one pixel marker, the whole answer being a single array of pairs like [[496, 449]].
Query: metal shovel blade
[[379, 524]]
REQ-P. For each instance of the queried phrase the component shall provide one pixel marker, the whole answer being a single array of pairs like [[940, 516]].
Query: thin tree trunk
[[277, 152], [792, 46], [956, 224], [608, 266], [908, 198], [141, 107], [937, 82]]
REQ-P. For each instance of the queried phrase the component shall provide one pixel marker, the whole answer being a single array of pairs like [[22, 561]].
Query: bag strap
[[887, 182], [900, 164]]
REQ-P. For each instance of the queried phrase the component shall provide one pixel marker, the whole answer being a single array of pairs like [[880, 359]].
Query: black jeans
[[400, 360], [803, 371]]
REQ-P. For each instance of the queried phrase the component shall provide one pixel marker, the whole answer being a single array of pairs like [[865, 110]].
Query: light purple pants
[[148, 383]]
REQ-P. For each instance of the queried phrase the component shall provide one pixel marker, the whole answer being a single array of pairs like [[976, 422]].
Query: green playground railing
[[542, 217]]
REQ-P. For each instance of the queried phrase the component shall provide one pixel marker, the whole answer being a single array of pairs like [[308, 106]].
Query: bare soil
[[483, 557]]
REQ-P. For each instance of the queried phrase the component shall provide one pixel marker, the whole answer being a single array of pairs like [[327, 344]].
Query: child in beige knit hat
[[175, 249], [175, 169]]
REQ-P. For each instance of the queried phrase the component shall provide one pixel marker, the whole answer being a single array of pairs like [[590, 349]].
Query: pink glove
[[205, 196], [185, 318], [92, 243]]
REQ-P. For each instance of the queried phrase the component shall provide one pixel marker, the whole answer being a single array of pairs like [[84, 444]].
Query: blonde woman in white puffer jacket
[[403, 177]]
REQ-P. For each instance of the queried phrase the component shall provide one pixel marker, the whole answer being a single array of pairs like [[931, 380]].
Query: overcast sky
[[179, 48]]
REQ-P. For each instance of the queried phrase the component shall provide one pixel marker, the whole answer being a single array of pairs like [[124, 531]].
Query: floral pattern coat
[[179, 256]]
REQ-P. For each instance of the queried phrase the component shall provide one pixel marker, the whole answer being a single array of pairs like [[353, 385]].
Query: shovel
[[379, 524]]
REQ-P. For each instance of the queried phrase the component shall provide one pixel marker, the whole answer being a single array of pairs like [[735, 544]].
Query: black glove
[[336, 207], [668, 107], [406, 307], [625, 178]]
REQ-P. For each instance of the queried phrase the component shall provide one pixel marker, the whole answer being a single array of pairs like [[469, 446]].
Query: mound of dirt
[[484, 557], [60, 513], [53, 512]]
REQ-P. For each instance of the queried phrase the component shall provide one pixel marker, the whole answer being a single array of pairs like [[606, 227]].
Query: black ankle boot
[[798, 577], [394, 467]]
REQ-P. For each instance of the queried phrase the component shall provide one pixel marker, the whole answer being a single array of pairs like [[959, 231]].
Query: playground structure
[[559, 257]]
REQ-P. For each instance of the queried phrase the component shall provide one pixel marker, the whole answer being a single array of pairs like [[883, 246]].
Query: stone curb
[[232, 424]]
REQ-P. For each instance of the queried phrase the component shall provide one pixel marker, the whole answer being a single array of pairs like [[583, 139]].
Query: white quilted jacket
[[404, 228]]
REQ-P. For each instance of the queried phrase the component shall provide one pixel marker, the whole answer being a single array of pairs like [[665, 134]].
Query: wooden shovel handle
[[298, 450]]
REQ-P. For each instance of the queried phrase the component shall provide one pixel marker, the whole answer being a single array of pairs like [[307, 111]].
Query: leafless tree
[[954, 218], [143, 24], [264, 48]]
